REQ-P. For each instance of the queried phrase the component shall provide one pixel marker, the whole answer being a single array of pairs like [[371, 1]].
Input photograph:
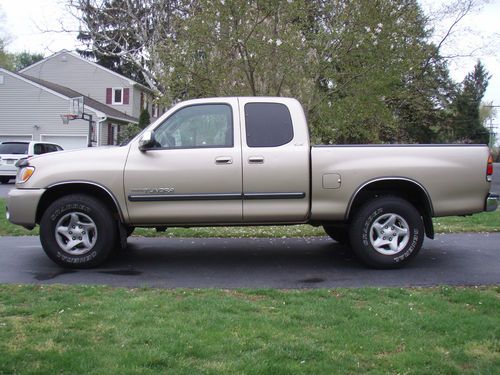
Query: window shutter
[[109, 95], [126, 94], [110, 134]]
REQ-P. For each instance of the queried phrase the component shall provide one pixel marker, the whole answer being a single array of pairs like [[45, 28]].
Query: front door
[[194, 173]]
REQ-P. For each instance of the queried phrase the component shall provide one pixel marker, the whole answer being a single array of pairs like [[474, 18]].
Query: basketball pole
[[88, 117]]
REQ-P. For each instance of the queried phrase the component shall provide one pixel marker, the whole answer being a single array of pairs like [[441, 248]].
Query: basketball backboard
[[76, 106]]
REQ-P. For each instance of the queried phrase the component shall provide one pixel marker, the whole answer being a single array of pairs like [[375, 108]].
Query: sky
[[26, 21]]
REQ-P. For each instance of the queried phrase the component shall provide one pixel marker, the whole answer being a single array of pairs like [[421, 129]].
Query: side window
[[209, 125], [267, 124], [38, 148], [50, 148]]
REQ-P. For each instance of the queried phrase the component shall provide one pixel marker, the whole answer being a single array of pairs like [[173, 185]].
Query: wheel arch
[[93, 189], [402, 187]]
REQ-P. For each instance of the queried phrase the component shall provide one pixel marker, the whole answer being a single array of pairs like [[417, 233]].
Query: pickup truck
[[247, 161]]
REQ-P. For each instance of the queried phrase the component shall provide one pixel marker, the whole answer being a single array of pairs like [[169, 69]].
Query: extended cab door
[[193, 174], [275, 156]]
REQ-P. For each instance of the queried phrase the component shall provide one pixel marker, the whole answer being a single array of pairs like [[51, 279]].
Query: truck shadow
[[200, 253], [240, 263]]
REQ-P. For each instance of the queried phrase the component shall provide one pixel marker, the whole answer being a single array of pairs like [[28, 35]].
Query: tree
[[128, 132], [144, 119], [365, 71], [467, 124], [15, 61], [23, 59], [487, 113], [5, 58], [124, 35]]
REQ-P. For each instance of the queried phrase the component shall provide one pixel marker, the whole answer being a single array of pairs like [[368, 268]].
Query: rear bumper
[[8, 170], [492, 202], [22, 205]]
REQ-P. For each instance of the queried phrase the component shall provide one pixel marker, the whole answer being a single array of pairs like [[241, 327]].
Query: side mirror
[[147, 141]]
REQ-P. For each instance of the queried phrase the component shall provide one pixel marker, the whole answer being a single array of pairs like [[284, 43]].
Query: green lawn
[[483, 222], [99, 330]]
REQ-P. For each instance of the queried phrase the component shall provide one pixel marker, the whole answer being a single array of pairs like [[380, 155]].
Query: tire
[[78, 231], [5, 179], [369, 235], [338, 234]]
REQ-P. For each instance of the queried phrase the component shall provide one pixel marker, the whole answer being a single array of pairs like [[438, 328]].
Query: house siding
[[87, 78], [31, 110]]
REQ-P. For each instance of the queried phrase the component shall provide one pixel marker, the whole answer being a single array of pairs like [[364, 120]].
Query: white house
[[32, 101], [31, 109]]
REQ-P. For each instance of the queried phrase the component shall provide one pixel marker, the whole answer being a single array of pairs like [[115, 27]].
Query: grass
[[482, 222], [99, 330]]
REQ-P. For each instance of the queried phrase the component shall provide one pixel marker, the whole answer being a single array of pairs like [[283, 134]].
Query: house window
[[154, 110], [118, 95]]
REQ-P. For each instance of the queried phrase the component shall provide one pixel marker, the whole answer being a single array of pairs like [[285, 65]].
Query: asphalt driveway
[[454, 259]]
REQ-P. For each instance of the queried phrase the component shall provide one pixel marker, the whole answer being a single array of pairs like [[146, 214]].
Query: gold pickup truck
[[247, 161]]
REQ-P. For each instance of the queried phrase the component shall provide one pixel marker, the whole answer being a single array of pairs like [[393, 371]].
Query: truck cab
[[222, 162]]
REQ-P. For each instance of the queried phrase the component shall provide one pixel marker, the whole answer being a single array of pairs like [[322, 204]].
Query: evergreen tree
[[467, 124], [25, 58], [144, 119]]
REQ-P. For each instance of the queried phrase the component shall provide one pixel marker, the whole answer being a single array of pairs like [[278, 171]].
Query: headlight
[[24, 174]]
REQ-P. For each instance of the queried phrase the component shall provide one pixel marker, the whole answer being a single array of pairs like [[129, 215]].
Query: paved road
[[455, 259]]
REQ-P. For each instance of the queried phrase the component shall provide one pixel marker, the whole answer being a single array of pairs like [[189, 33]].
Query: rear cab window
[[15, 148], [268, 124]]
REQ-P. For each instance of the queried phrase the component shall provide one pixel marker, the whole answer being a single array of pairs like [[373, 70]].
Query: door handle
[[256, 160], [224, 160]]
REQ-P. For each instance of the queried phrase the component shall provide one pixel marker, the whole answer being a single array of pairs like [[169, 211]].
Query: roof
[[130, 81], [89, 102]]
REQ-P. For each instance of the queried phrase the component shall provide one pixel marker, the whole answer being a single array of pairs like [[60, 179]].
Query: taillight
[[489, 168]]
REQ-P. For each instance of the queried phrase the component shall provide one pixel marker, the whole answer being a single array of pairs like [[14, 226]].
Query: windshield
[[14, 148]]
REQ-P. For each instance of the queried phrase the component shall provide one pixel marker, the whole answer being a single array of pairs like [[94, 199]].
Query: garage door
[[8, 137], [68, 142]]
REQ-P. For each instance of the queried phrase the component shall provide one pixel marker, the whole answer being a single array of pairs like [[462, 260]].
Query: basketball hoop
[[67, 118]]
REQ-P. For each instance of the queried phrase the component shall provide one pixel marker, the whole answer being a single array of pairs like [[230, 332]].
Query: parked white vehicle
[[12, 151]]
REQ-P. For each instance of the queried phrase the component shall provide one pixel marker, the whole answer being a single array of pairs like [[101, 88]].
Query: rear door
[[275, 157], [194, 174]]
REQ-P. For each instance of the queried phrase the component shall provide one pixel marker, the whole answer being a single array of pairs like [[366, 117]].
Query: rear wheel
[[386, 232], [5, 179], [78, 231]]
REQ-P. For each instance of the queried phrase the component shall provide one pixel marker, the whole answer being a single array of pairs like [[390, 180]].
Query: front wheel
[[386, 232], [77, 231], [5, 179]]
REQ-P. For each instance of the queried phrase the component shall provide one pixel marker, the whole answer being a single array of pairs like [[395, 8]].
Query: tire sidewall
[[106, 231], [368, 214]]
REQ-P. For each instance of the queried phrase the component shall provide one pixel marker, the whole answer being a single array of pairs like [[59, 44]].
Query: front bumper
[[492, 202], [22, 205]]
